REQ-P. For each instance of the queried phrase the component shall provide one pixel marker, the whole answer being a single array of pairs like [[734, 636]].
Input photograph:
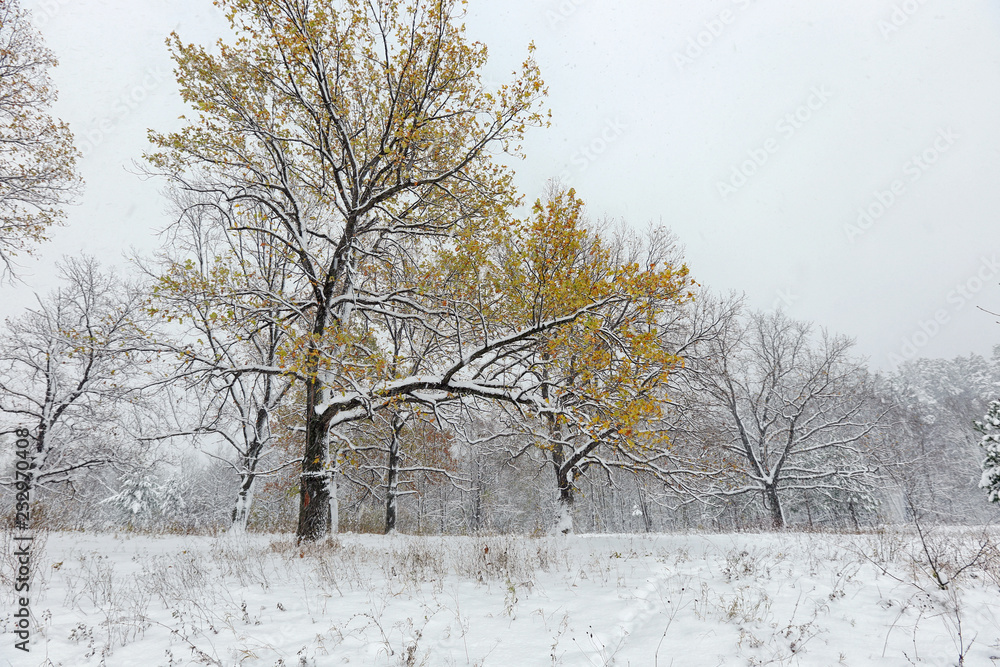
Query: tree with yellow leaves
[[37, 158], [343, 131], [355, 138], [601, 378]]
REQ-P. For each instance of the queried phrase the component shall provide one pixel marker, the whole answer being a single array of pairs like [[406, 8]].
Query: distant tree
[[990, 428], [143, 499], [37, 158], [933, 454], [399, 454], [68, 373], [224, 342], [781, 414]]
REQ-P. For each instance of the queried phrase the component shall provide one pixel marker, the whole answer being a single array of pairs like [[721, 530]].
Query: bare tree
[[69, 372], [399, 453], [932, 454], [221, 336], [779, 414]]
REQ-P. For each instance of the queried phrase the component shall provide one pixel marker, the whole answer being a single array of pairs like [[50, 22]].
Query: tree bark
[[392, 477], [647, 521], [773, 504], [244, 499], [315, 516], [564, 503], [477, 497]]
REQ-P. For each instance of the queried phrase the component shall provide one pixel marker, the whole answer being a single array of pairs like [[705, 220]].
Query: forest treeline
[[355, 322]]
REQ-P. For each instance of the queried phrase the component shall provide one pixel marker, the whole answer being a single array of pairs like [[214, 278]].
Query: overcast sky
[[840, 160]]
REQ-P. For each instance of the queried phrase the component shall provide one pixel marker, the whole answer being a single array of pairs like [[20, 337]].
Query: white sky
[[647, 126]]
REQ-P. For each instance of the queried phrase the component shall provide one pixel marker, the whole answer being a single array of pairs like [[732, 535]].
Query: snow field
[[640, 600]]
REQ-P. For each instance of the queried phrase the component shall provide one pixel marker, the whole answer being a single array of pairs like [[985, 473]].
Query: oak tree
[[37, 158], [780, 413], [357, 140], [343, 131], [602, 377]]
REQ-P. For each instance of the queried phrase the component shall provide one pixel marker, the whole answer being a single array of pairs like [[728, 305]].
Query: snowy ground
[[682, 600]]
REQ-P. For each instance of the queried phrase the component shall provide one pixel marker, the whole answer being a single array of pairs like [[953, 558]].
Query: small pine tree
[[143, 501], [137, 501], [171, 500], [990, 428]]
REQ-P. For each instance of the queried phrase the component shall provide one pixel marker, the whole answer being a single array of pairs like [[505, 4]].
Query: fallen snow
[[659, 600]]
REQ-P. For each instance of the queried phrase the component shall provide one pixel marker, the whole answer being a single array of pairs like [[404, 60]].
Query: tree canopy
[[37, 157], [357, 139]]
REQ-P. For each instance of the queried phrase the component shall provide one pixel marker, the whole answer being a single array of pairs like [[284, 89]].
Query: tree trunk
[[244, 497], [773, 503], [316, 483], [854, 515], [564, 510], [477, 508], [392, 477], [244, 500], [647, 521], [564, 504], [420, 512], [444, 509]]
